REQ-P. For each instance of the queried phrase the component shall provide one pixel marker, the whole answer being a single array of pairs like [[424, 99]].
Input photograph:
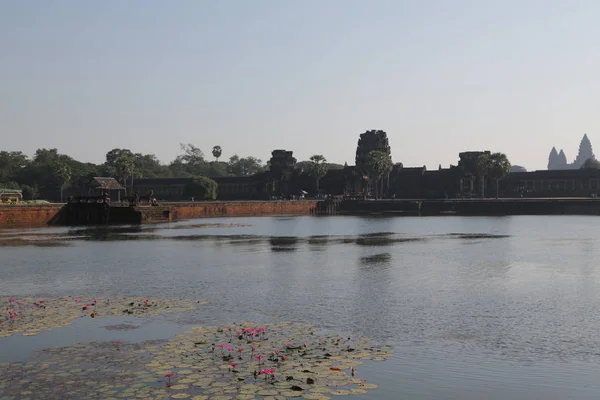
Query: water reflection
[[374, 298], [383, 239], [208, 232], [318, 242], [283, 243], [474, 236], [19, 242], [244, 241], [376, 259], [110, 232]]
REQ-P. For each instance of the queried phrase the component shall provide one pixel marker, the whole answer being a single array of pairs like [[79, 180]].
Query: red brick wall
[[42, 214], [239, 208], [38, 214]]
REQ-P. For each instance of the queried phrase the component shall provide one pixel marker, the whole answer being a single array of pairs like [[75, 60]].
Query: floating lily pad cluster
[[93, 370], [244, 361], [31, 316], [275, 361]]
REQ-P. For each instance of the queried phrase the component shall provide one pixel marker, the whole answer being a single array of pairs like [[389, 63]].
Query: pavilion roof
[[105, 183], [10, 191]]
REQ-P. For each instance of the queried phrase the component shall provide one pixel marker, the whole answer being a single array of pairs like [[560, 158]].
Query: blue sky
[[439, 76]]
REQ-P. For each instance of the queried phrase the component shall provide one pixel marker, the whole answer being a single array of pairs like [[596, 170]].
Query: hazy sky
[[439, 76]]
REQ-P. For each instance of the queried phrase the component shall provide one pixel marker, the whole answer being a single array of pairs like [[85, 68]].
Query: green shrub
[[201, 188]]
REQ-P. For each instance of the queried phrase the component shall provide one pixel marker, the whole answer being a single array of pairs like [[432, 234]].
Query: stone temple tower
[[557, 160], [585, 152], [562, 159], [553, 159], [369, 141]]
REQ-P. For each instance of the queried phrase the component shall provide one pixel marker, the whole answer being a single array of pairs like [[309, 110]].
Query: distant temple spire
[[562, 158], [553, 159], [585, 151]]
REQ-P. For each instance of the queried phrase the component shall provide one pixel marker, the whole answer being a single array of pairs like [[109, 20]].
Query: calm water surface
[[478, 308]]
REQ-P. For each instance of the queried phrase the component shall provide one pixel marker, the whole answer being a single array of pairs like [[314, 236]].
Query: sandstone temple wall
[[240, 208]]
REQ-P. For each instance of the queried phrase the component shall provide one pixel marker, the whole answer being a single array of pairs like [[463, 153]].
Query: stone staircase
[[151, 215]]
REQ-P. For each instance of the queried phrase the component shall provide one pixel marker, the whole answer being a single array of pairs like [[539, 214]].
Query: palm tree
[[125, 167], [216, 152], [378, 165], [499, 167], [63, 172], [482, 168], [318, 167]]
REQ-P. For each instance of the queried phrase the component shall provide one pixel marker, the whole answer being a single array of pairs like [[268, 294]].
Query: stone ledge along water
[[481, 207], [98, 213]]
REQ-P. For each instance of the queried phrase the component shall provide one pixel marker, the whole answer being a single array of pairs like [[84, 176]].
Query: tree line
[[47, 173], [481, 166]]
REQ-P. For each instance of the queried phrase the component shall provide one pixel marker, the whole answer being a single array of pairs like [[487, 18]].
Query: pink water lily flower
[[268, 372]]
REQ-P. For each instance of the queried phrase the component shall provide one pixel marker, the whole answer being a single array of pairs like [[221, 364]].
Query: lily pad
[[240, 361], [33, 315]]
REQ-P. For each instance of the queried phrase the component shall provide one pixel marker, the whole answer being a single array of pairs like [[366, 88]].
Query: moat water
[[477, 308]]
